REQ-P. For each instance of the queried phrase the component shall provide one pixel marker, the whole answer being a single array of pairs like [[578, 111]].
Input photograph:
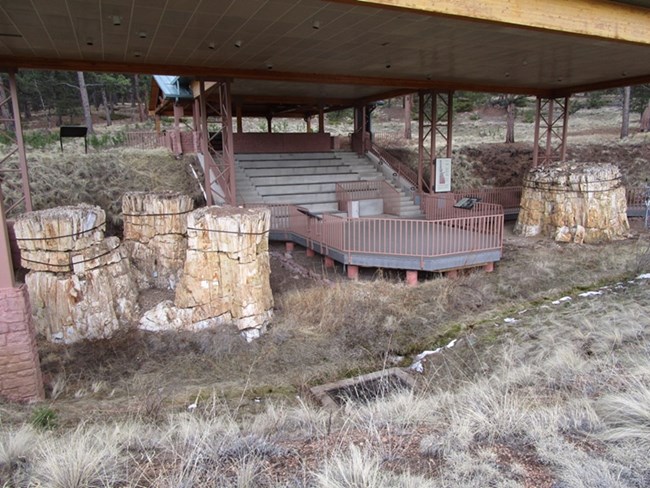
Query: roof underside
[[330, 52]]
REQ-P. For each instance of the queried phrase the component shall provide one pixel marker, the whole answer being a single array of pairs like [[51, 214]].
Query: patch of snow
[[644, 276], [561, 300], [417, 363], [451, 344], [510, 320], [590, 294]]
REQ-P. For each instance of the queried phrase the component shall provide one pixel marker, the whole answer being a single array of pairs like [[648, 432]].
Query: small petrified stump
[[49, 239], [226, 274], [155, 234], [574, 202], [80, 284]]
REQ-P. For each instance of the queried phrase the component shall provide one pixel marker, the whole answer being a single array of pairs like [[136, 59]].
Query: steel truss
[[12, 131], [551, 124], [435, 121], [219, 159]]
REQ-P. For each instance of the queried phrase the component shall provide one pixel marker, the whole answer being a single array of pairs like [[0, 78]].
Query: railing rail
[[441, 206], [394, 237], [509, 197], [399, 169], [147, 140]]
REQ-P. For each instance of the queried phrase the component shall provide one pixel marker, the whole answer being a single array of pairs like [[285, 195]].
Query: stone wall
[[574, 202], [20, 373]]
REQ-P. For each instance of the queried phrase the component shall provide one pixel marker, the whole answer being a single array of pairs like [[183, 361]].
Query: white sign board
[[443, 175]]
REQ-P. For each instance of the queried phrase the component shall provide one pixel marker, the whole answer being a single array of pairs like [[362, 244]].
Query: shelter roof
[[328, 51]]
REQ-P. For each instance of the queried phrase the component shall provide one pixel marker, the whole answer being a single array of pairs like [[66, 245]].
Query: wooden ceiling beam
[[592, 18], [206, 72]]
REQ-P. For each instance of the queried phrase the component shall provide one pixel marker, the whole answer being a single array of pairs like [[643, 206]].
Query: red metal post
[[329, 262], [228, 144], [421, 135], [565, 128], [240, 124], [353, 272], [538, 112], [321, 120], [411, 278], [6, 264], [204, 144]]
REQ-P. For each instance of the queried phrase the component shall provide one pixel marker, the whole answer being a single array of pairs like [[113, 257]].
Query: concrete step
[[302, 179], [302, 198], [265, 190], [297, 171], [288, 156], [289, 163]]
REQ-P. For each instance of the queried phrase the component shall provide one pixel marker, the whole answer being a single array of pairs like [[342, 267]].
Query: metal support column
[[551, 125], [321, 120], [6, 264], [205, 143], [225, 109], [435, 121], [13, 132]]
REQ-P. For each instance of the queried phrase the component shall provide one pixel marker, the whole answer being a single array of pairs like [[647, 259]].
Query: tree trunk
[[85, 103], [625, 125], [107, 108], [408, 105], [645, 119], [510, 121]]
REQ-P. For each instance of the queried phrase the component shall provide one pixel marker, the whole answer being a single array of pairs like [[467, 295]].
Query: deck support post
[[435, 120], [14, 135], [551, 125], [452, 274], [329, 262], [353, 272], [411, 278], [269, 124], [310, 253], [488, 268], [289, 246]]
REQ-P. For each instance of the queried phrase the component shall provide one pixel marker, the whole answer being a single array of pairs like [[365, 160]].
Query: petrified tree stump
[[226, 273], [155, 235], [574, 201], [80, 284]]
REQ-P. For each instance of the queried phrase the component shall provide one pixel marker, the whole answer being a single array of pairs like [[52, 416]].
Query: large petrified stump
[[80, 284], [155, 235], [226, 274], [574, 201]]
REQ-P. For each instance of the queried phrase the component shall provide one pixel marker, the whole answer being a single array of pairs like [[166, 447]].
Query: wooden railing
[[350, 191]]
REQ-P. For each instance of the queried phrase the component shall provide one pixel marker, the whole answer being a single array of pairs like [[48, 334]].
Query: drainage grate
[[363, 389]]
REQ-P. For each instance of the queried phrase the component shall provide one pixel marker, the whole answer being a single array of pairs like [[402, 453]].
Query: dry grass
[[99, 177]]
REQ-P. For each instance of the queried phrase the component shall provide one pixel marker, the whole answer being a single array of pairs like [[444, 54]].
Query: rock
[[225, 277], [574, 202], [48, 239], [93, 304], [563, 234], [155, 235]]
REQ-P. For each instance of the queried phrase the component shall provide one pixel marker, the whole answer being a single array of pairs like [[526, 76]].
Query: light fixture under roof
[[90, 41], [238, 43], [142, 35], [116, 20], [315, 24], [137, 54], [211, 46]]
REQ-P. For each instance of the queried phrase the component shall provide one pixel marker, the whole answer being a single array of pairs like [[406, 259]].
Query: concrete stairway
[[307, 179]]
